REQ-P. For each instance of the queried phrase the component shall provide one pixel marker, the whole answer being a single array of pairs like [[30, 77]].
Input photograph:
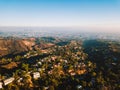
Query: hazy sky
[[61, 13]]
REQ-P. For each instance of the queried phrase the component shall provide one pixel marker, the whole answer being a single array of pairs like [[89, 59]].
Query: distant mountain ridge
[[12, 45]]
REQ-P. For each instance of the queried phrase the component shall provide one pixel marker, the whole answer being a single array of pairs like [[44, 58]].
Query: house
[[1, 85], [79, 87], [19, 80], [46, 88], [36, 75], [39, 69], [72, 73], [40, 63], [9, 80]]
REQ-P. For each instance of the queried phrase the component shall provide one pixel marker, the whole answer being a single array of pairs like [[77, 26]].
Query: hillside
[[14, 46]]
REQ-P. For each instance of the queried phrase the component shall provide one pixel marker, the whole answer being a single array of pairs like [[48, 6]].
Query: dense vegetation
[[64, 65]]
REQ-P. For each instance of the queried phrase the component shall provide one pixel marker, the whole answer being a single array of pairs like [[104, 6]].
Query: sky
[[97, 14]]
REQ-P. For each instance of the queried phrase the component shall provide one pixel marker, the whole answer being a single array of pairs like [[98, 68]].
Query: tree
[[17, 58], [3, 60], [27, 82], [51, 88], [25, 67]]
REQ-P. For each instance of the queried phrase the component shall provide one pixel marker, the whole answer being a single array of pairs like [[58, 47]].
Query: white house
[[46, 88], [36, 75], [40, 63], [9, 80], [1, 85], [19, 80], [79, 87]]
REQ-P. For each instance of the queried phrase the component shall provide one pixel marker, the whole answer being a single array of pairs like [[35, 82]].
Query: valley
[[59, 63]]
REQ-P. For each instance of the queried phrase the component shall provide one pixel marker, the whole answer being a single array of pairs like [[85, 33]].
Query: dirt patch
[[10, 65]]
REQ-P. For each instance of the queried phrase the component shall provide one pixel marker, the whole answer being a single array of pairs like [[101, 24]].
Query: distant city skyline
[[83, 14]]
